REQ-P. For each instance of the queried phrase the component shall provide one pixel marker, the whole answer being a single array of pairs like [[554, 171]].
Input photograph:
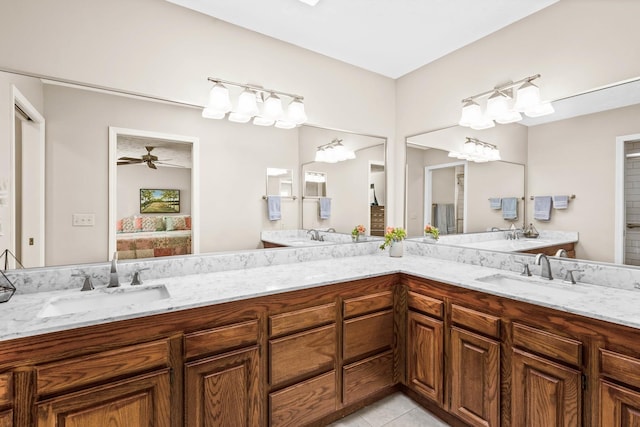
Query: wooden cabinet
[[6, 399], [552, 250], [140, 401], [619, 403], [6, 418], [377, 220], [304, 402]]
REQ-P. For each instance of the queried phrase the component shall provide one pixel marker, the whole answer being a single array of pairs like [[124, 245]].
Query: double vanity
[[305, 335]]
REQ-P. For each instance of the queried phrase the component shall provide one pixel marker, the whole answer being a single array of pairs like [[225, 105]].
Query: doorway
[[627, 224], [27, 193], [153, 194], [444, 197]]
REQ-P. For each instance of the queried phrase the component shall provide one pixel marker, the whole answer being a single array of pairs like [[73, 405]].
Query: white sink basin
[[307, 242], [102, 299], [533, 284], [505, 280]]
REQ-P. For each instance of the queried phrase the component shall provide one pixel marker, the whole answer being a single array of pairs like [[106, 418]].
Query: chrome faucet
[[87, 285], [545, 267], [562, 253], [114, 281], [331, 230], [315, 235]]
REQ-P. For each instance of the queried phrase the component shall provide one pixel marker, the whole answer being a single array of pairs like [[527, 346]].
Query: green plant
[[393, 234], [429, 229]]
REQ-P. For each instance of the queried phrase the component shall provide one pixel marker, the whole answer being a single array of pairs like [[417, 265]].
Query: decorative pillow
[[128, 225], [137, 223], [187, 220], [152, 223], [178, 222], [119, 226]]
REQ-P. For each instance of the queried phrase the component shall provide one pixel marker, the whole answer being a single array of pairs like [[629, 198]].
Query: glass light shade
[[239, 118], [263, 121], [484, 123], [511, 117], [320, 156], [272, 107], [285, 124], [296, 113], [471, 113], [469, 147], [527, 97], [497, 105], [541, 109], [247, 104], [208, 113], [219, 99]]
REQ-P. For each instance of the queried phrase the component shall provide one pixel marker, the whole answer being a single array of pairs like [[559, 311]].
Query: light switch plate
[[83, 220]]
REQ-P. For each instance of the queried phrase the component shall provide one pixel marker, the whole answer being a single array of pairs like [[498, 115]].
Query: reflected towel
[[560, 202], [325, 207], [542, 208], [510, 208], [495, 203], [273, 206]]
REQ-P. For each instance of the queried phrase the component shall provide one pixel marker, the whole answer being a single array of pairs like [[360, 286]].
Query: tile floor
[[396, 410]]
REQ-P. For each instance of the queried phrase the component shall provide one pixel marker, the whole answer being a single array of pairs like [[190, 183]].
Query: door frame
[[428, 191], [114, 132], [17, 98], [619, 214]]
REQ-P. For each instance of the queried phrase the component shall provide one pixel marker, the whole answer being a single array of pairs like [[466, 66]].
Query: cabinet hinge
[[584, 382]]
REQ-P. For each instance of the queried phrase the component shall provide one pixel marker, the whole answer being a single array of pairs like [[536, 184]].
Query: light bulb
[[273, 107], [296, 113], [247, 105]]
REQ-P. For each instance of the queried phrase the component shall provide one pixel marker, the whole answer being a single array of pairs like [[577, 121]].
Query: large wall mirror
[[70, 125], [588, 148]]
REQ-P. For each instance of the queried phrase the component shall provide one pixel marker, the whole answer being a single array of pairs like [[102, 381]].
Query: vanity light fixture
[[334, 152], [477, 151], [247, 106], [315, 177], [310, 2], [501, 109]]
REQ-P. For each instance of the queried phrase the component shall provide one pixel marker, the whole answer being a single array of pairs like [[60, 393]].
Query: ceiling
[[389, 37], [170, 153]]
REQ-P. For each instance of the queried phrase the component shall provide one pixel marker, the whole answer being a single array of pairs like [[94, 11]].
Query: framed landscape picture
[[159, 201]]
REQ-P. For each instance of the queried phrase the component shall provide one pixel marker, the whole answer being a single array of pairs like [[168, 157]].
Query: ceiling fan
[[148, 158]]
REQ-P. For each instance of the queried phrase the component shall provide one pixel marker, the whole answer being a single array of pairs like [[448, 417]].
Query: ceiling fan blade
[[173, 165], [128, 163], [152, 165], [131, 159]]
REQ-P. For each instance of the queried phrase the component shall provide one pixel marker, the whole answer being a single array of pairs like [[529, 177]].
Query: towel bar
[[284, 197], [573, 196]]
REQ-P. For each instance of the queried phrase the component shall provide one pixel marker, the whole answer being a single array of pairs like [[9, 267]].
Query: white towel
[[495, 202], [542, 208], [273, 206], [325, 207], [560, 202], [510, 208]]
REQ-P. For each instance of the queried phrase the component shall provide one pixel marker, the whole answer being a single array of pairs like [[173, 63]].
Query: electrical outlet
[[83, 220]]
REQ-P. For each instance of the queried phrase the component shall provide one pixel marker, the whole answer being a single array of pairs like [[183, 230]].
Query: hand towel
[[495, 203], [542, 208], [325, 207], [510, 208], [560, 202], [273, 206]]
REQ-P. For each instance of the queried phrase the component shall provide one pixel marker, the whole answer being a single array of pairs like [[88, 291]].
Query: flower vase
[[429, 238], [396, 249], [355, 238]]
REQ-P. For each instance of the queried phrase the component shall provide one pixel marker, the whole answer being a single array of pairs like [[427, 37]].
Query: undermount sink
[[505, 280], [307, 242], [556, 287], [102, 299]]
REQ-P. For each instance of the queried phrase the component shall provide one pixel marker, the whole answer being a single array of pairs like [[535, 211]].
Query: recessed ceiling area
[[388, 37]]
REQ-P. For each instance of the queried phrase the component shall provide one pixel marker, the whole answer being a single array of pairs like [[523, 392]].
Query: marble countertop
[[497, 241], [29, 314]]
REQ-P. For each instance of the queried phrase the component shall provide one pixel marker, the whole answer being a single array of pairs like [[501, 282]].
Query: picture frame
[[154, 201]]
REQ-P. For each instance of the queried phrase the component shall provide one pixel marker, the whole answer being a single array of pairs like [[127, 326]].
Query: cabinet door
[[475, 378], [6, 419], [619, 406], [141, 401], [223, 390], [424, 356], [545, 393]]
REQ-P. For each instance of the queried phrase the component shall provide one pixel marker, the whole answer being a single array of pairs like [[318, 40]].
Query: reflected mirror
[[279, 182], [315, 184]]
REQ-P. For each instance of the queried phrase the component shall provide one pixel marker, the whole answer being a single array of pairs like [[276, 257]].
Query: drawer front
[[302, 354], [80, 371], [367, 334], [221, 339], [299, 320], [367, 376], [367, 304], [620, 367], [6, 419], [476, 321], [427, 305], [6, 389], [547, 344], [303, 403]]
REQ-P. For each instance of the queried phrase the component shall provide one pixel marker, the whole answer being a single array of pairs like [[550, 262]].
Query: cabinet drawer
[[476, 321], [299, 320], [304, 402], [547, 344], [220, 339], [367, 334], [6, 389], [93, 368], [427, 305], [620, 367], [302, 354], [367, 376], [367, 304]]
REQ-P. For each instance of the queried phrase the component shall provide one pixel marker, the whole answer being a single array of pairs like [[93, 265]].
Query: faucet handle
[[87, 285], [136, 280], [525, 268], [569, 277]]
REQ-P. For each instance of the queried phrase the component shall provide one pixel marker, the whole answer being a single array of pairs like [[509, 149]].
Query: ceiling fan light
[[527, 97], [296, 112], [273, 107], [239, 118], [247, 103], [263, 121], [471, 113], [219, 98]]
